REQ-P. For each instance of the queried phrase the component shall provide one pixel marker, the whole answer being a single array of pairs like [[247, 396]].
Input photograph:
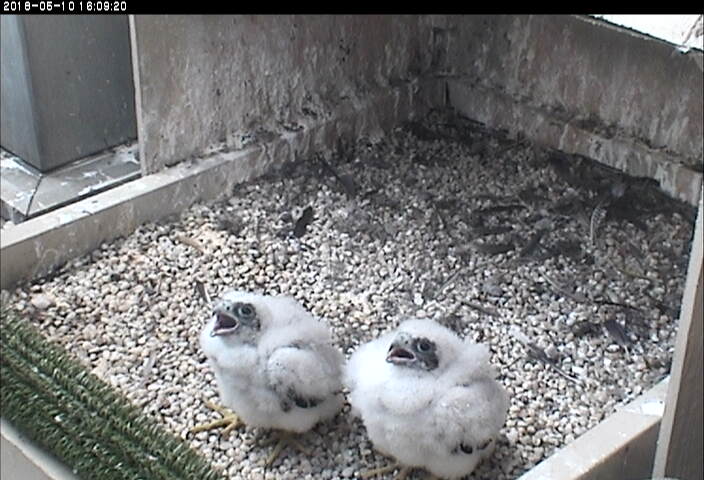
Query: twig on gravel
[[202, 292], [595, 221], [493, 248], [480, 308], [451, 279], [536, 353], [533, 243], [577, 297], [348, 184], [617, 332], [191, 242]]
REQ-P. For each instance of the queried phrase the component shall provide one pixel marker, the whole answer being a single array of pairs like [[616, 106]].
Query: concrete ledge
[[622, 447], [29, 193], [22, 459], [41, 245], [501, 111]]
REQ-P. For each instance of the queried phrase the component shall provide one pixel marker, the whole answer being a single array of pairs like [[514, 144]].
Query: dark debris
[[302, 222]]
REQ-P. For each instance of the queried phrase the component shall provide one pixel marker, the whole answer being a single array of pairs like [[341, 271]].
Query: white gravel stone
[[42, 301]]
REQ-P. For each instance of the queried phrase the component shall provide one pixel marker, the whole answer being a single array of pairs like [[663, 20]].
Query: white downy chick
[[427, 398], [274, 363]]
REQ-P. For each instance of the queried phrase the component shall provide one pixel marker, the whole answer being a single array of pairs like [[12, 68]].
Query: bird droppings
[[488, 235]]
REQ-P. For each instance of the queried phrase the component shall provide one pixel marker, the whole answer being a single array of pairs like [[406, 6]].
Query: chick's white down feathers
[[274, 363], [427, 398]]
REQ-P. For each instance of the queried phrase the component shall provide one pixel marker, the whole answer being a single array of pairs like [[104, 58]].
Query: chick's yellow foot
[[283, 439], [401, 475], [229, 420]]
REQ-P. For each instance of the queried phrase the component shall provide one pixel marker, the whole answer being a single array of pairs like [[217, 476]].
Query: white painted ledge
[[622, 447], [21, 459]]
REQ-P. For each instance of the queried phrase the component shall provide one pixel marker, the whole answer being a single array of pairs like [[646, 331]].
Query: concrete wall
[[207, 81], [568, 82], [584, 87]]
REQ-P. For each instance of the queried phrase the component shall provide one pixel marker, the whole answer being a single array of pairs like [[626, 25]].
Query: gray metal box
[[66, 87]]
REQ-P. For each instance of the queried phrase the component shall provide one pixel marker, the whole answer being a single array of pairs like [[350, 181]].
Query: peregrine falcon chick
[[274, 363], [427, 398]]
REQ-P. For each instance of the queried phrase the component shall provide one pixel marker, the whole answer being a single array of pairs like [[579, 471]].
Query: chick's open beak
[[399, 352], [224, 323]]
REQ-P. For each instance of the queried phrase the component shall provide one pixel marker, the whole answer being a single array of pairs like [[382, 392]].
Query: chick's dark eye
[[246, 311], [424, 346]]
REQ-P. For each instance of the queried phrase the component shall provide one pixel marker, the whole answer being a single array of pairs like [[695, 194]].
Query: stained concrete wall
[[567, 82], [584, 87], [230, 80]]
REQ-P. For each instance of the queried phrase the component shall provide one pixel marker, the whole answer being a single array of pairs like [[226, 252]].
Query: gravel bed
[[570, 272]]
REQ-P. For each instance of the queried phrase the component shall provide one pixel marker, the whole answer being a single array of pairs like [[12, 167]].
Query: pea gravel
[[571, 273]]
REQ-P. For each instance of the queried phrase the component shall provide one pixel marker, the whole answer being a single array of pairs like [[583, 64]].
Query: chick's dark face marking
[[413, 352], [233, 316]]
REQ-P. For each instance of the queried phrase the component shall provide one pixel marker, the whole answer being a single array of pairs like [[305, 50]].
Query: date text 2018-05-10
[[64, 6]]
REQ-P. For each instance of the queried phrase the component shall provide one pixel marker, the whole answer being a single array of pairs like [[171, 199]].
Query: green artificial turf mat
[[92, 428]]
